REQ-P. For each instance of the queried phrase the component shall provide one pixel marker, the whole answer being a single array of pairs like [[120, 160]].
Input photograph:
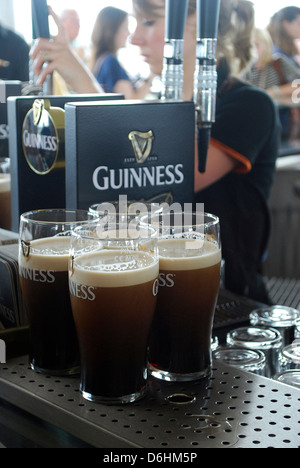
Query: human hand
[[55, 54]]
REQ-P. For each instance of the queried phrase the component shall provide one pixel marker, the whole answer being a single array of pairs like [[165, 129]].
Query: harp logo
[[141, 144]]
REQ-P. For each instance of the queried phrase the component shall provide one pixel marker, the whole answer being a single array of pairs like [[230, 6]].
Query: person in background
[[58, 56], [14, 56], [245, 137], [71, 22], [110, 34], [273, 72], [284, 28], [276, 73]]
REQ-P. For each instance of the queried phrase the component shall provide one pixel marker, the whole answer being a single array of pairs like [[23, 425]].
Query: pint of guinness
[[113, 281], [189, 277], [43, 270]]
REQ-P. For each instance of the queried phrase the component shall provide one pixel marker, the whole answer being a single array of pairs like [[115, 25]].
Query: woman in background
[[276, 73], [284, 28], [245, 137], [110, 34], [273, 72]]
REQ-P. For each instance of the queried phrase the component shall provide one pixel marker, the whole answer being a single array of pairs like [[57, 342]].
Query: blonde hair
[[264, 37]]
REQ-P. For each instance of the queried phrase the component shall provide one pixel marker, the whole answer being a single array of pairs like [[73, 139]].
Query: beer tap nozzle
[[205, 78], [172, 74]]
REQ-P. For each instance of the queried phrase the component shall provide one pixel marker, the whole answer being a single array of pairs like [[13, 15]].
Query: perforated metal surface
[[231, 409]]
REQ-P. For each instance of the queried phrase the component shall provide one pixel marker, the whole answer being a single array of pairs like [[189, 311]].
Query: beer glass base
[[177, 377], [56, 372], [122, 400]]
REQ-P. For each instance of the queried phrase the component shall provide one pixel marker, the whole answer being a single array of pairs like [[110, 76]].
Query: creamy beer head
[[188, 254], [114, 268], [51, 253]]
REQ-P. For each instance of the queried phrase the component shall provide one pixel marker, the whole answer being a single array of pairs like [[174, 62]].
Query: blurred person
[[244, 145], [284, 28], [273, 72], [109, 35], [276, 73], [245, 137], [71, 22], [14, 56], [58, 56]]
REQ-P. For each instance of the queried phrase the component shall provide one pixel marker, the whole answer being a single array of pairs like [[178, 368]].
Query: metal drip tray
[[231, 409]]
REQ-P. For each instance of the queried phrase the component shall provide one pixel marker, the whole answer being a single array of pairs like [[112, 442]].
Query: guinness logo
[[42, 136], [142, 144], [25, 246], [37, 110]]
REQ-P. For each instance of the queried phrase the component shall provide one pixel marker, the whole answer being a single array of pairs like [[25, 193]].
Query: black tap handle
[[208, 18], [176, 13], [40, 24]]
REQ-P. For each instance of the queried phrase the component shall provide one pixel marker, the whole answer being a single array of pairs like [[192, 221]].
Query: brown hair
[[278, 33], [235, 35], [105, 29]]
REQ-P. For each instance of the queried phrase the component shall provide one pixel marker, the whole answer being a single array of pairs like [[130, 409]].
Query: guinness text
[[40, 142], [105, 178]]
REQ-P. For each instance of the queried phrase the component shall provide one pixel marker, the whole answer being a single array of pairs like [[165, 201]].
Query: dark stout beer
[[44, 283], [188, 290], [5, 202], [113, 297]]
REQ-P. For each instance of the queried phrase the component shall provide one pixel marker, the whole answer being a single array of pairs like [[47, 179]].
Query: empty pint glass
[[43, 269], [113, 281], [189, 278]]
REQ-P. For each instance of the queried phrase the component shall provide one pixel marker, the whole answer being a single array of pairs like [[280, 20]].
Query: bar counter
[[231, 409]]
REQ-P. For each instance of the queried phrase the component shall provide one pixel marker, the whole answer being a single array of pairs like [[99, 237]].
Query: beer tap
[[40, 28], [172, 74], [205, 78]]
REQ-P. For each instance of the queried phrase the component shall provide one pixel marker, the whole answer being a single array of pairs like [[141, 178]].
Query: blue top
[[110, 73]]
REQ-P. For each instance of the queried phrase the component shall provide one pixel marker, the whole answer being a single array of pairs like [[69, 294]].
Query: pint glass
[[113, 281], [5, 190], [43, 269], [189, 278]]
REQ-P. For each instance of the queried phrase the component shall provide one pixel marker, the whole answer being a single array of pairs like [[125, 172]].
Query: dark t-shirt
[[14, 56], [110, 73], [247, 128]]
